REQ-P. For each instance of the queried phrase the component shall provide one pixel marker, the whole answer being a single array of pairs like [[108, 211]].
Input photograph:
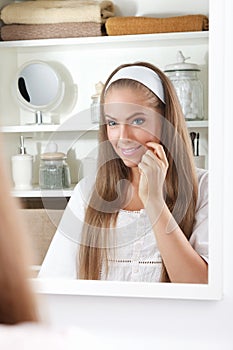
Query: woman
[[20, 324], [145, 217], [17, 302]]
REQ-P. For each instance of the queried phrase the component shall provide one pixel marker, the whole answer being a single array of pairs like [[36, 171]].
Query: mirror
[[44, 87], [137, 289], [39, 85]]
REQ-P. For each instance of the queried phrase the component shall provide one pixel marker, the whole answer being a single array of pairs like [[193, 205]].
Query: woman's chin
[[131, 163]]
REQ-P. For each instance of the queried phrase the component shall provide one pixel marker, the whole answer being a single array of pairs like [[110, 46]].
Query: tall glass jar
[[54, 172], [95, 105], [189, 88]]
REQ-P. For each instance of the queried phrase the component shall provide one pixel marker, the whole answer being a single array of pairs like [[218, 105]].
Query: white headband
[[143, 75]]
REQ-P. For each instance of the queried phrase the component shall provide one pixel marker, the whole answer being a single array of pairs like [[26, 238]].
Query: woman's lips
[[129, 151]]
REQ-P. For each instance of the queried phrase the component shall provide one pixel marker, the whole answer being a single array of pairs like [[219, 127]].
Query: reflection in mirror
[[148, 223], [67, 239], [23, 89], [134, 288]]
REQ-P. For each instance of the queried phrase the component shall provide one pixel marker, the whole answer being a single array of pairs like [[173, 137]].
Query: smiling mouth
[[130, 151]]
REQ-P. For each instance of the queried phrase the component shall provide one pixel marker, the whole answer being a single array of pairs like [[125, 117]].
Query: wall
[[145, 323]]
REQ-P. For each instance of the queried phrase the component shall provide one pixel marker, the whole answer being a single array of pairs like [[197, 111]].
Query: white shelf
[[113, 41], [29, 128], [36, 192], [47, 128], [197, 124], [67, 128]]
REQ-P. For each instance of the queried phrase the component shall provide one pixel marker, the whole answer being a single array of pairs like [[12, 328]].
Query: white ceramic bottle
[[22, 165]]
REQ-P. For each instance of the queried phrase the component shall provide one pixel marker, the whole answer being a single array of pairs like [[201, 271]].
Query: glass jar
[[95, 105], [95, 109], [54, 172], [188, 87]]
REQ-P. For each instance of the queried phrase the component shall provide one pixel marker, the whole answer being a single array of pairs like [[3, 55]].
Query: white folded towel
[[57, 11]]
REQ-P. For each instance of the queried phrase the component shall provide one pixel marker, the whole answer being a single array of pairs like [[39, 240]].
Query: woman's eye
[[111, 123], [138, 121]]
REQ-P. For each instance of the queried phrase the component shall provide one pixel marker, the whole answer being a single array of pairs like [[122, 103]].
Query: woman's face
[[130, 124]]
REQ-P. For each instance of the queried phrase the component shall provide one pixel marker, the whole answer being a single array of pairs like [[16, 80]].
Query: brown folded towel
[[150, 25], [11, 32]]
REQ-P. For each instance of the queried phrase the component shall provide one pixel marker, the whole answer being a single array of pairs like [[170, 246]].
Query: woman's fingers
[[149, 157], [158, 150]]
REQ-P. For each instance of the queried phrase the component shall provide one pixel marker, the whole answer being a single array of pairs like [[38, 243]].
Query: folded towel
[[56, 11], [149, 25], [11, 32]]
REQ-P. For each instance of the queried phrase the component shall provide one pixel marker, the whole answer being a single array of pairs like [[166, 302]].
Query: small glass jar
[[188, 87], [54, 172]]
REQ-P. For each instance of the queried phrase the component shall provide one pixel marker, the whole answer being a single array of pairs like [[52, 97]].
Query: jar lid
[[53, 156], [181, 65], [52, 153], [98, 89]]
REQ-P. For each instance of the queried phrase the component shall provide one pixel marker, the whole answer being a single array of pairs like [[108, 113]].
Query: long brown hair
[[17, 301], [180, 188]]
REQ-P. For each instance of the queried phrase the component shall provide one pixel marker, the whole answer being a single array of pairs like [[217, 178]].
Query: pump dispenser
[[22, 168]]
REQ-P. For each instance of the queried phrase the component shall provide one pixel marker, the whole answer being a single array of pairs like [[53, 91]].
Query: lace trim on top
[[130, 261], [132, 211]]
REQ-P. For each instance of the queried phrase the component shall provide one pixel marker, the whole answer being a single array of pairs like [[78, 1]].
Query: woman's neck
[[133, 201], [135, 177]]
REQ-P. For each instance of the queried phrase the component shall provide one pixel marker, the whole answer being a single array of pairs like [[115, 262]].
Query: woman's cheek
[[111, 137], [143, 137]]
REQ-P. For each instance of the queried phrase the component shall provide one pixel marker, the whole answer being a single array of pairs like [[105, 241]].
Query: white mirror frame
[[213, 290]]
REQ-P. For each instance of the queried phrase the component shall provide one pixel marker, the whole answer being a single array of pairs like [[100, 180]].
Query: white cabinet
[[88, 60]]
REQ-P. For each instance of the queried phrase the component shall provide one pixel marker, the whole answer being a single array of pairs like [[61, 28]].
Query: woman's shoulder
[[84, 186], [203, 193], [202, 172], [202, 177], [82, 192]]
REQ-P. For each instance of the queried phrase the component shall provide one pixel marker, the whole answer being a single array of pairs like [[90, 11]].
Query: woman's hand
[[153, 169]]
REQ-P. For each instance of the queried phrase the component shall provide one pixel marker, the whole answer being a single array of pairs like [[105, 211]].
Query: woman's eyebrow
[[109, 117], [128, 118]]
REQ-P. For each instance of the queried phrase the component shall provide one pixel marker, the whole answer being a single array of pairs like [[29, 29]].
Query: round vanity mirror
[[45, 88], [39, 86]]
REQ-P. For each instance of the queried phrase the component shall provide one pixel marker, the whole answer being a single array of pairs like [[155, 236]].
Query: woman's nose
[[124, 132]]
